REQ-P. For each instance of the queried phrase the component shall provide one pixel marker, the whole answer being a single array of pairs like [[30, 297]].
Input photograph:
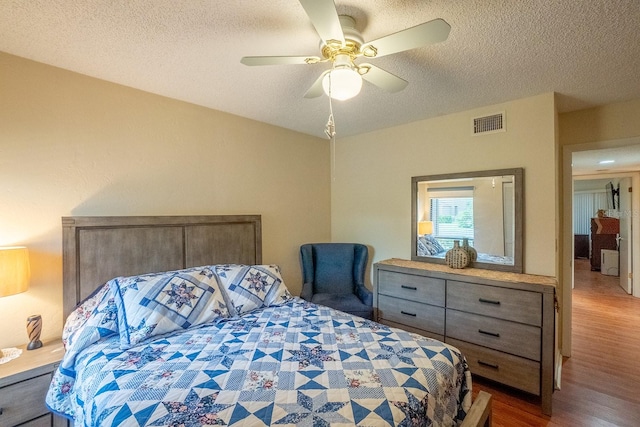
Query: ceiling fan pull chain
[[330, 131], [333, 157]]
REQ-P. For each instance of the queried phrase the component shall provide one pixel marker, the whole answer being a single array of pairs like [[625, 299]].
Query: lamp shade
[[425, 227], [14, 270]]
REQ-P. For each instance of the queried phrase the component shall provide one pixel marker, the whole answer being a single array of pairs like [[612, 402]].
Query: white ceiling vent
[[489, 124]]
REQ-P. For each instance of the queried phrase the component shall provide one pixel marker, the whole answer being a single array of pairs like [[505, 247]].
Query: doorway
[[602, 225], [632, 145]]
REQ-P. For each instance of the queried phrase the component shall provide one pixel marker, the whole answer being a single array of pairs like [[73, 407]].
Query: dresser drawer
[[408, 328], [412, 287], [415, 314], [24, 401], [513, 371], [509, 304], [43, 421], [515, 338]]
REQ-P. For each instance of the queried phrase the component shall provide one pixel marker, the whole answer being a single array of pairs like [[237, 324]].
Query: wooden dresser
[[504, 323]]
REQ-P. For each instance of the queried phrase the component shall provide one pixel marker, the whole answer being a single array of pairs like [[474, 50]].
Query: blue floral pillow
[[159, 303], [82, 313], [428, 245], [94, 319], [250, 287]]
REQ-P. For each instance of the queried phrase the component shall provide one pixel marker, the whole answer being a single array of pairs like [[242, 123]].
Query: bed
[[175, 321]]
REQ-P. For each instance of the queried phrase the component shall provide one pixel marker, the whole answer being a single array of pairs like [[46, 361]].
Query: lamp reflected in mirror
[[425, 227]]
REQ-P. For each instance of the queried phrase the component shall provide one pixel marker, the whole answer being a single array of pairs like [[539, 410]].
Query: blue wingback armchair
[[333, 275]]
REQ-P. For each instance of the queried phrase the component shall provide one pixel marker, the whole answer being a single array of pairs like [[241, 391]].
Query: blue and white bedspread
[[292, 363]]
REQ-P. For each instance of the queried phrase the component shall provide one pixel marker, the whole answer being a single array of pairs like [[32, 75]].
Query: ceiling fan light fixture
[[343, 81]]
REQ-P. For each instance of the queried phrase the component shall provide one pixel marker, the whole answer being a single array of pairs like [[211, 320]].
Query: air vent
[[489, 124]]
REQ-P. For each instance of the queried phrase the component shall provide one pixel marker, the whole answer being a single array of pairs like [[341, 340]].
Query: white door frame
[[567, 231], [625, 236]]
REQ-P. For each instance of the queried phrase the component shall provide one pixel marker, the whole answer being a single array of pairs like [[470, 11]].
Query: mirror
[[484, 207]]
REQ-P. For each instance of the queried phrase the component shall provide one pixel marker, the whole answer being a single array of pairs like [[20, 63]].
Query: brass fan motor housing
[[334, 48], [352, 42]]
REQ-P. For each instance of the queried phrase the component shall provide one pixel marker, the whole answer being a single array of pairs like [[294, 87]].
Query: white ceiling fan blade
[[383, 79], [279, 60], [316, 88], [324, 17], [421, 35]]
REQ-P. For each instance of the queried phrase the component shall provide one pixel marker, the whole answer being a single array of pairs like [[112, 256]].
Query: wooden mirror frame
[[518, 174]]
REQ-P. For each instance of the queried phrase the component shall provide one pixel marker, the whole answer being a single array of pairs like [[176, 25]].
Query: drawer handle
[[488, 365], [493, 334], [489, 301], [413, 288], [408, 314]]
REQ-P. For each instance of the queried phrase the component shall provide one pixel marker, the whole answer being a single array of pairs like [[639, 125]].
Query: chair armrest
[[307, 291], [365, 295]]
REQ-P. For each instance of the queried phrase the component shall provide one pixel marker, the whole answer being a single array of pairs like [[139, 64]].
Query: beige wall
[[371, 191], [74, 145], [606, 123]]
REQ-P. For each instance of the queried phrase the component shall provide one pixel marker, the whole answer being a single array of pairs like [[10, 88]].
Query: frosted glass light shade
[[14, 270], [345, 83]]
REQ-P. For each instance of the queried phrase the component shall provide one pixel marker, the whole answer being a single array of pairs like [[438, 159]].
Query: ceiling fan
[[341, 44]]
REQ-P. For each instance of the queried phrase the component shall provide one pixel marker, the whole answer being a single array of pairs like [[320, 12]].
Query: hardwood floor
[[600, 383]]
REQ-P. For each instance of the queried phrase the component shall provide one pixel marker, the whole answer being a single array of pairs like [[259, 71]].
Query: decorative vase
[[456, 257], [34, 328], [471, 251]]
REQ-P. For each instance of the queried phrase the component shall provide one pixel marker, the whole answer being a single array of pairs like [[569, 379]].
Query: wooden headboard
[[97, 249]]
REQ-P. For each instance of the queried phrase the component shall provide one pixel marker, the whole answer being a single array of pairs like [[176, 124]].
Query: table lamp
[[425, 227], [14, 273]]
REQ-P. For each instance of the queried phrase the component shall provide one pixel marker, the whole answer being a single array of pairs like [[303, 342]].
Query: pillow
[[83, 311], [422, 246], [159, 303], [95, 318], [250, 287], [430, 245]]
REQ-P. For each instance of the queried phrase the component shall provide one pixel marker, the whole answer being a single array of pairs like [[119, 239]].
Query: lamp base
[[34, 327], [34, 345]]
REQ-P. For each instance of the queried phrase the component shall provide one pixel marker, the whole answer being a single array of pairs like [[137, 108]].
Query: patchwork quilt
[[288, 362]]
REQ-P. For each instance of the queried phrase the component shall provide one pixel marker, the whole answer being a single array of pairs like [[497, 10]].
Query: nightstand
[[23, 385]]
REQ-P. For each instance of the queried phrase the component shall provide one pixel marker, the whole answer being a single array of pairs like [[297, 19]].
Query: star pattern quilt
[[291, 363]]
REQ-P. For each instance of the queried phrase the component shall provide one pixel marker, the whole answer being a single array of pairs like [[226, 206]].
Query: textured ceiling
[[607, 161], [588, 51]]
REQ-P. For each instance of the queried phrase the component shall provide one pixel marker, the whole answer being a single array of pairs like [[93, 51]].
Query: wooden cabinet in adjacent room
[[604, 233]]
